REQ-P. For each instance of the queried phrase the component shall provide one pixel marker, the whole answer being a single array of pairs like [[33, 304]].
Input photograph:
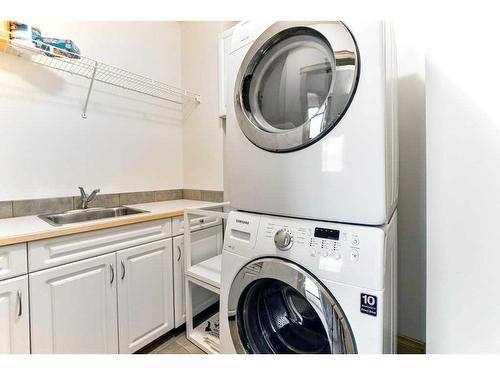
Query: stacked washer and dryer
[[309, 259]]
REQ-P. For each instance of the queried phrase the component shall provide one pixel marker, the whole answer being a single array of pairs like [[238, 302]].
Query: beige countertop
[[31, 228]]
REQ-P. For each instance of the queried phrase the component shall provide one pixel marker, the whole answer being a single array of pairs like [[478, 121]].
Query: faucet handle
[[82, 192], [93, 194]]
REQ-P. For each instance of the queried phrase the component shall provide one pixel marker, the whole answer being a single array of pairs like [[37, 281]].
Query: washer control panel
[[317, 241], [350, 254], [324, 242]]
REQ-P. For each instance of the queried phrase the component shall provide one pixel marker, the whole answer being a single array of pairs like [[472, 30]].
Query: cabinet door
[[205, 244], [14, 319], [145, 294], [73, 307]]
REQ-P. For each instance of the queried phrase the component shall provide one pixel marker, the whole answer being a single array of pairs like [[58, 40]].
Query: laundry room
[[203, 181]]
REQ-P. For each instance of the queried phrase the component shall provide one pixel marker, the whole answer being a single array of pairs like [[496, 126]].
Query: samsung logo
[[242, 221]]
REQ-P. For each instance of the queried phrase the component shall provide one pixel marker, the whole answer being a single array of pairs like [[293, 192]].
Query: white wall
[[463, 185], [129, 142], [411, 205], [203, 131]]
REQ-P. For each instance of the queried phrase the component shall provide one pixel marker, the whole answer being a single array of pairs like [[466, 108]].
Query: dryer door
[[295, 84], [277, 307]]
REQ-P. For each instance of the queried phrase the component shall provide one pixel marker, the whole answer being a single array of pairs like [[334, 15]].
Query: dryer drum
[[295, 84]]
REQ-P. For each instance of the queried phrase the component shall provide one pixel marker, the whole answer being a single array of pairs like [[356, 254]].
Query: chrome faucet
[[86, 199]]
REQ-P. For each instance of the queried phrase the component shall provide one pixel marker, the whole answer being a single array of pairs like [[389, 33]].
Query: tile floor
[[175, 343]]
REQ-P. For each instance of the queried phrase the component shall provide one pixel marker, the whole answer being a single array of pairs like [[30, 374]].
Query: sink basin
[[88, 214]]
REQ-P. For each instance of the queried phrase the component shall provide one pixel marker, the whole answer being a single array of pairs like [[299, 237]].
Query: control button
[[336, 255], [283, 239], [355, 241], [354, 255], [344, 236], [325, 253], [313, 253]]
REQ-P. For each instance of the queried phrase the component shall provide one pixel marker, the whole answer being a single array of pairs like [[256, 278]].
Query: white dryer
[[312, 120], [302, 286]]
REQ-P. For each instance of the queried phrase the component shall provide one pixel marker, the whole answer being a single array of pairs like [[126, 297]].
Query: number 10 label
[[368, 304]]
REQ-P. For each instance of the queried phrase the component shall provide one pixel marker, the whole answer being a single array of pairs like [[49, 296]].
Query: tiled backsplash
[[41, 206], [204, 195], [5, 209], [50, 205]]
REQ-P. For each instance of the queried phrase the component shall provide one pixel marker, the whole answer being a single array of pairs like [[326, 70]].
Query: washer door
[[276, 307], [295, 84]]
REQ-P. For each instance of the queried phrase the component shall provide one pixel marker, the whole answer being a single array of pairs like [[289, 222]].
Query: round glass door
[[276, 307], [290, 83], [294, 85]]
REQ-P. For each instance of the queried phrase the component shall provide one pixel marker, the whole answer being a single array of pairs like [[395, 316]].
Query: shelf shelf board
[[207, 271], [93, 70]]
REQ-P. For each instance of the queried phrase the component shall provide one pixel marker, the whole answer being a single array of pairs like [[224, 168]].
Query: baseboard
[[407, 345]]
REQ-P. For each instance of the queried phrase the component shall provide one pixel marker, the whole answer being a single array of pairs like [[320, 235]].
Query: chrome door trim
[[346, 56], [296, 277]]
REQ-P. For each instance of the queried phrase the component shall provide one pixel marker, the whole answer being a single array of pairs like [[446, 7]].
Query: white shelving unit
[[93, 70], [206, 274]]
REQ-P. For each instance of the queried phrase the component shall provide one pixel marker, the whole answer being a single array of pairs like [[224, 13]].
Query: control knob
[[283, 239]]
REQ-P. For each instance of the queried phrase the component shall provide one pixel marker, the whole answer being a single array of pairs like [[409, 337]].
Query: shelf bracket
[[84, 114]]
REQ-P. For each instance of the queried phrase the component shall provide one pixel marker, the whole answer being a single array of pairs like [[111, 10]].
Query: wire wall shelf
[[93, 70]]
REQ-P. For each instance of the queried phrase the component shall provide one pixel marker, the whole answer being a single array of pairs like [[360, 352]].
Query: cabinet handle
[[112, 273], [19, 303], [123, 269], [202, 220], [179, 252]]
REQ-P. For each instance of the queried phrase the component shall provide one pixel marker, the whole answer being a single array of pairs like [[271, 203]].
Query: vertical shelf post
[[84, 114]]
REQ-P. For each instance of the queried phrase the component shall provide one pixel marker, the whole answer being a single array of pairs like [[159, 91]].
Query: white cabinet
[[109, 291], [205, 243], [74, 307], [145, 294], [14, 318], [84, 307]]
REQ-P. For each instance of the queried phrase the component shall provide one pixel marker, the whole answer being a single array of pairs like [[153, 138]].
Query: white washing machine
[[312, 120], [302, 286]]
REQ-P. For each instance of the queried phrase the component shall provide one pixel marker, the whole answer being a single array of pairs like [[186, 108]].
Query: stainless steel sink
[[88, 214]]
